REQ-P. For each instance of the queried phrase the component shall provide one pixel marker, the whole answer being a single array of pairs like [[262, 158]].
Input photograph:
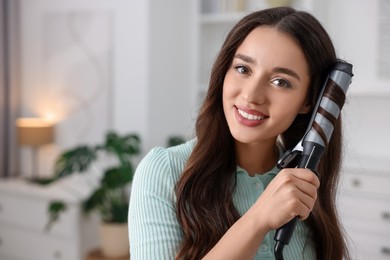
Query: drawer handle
[[386, 215], [385, 250]]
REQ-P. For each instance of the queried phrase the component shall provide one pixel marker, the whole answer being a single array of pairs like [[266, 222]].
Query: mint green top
[[154, 231]]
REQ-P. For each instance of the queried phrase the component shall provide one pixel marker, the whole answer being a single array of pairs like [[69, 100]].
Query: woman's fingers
[[293, 192], [307, 204], [304, 186], [305, 175]]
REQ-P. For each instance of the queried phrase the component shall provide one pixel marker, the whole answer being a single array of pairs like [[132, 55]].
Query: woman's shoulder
[[165, 163]]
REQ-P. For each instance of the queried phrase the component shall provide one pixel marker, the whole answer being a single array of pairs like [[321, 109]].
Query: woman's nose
[[254, 92]]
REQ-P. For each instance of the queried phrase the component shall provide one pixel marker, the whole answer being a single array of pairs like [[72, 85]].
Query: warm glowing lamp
[[34, 132]]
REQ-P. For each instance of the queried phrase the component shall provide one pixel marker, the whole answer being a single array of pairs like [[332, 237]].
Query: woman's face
[[265, 87]]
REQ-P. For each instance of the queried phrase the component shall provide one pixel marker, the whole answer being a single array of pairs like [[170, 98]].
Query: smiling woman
[[220, 195], [268, 76]]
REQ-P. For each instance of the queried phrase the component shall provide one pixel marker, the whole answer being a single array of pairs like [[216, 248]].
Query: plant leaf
[[55, 208], [126, 145], [175, 140], [119, 212], [75, 160], [117, 177], [96, 199]]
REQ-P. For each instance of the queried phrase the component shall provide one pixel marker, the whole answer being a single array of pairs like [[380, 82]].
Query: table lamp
[[34, 132]]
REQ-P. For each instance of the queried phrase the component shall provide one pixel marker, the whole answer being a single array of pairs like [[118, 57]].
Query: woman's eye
[[242, 69], [282, 83]]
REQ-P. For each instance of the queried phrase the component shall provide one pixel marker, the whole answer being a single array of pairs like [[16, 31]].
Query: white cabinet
[[23, 217], [364, 207]]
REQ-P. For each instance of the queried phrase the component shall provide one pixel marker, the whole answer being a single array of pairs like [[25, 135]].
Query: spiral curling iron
[[308, 152]]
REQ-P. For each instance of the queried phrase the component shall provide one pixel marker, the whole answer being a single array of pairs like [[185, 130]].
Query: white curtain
[[3, 96]]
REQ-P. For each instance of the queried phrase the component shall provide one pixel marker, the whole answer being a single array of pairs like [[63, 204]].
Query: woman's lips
[[249, 117]]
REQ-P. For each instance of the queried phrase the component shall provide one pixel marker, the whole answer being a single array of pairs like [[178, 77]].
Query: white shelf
[[216, 18]]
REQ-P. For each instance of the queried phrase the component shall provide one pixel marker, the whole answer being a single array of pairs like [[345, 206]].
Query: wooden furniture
[[23, 217], [96, 254], [364, 206]]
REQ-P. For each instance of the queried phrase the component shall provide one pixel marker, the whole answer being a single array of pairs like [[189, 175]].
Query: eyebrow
[[287, 71], [252, 61], [245, 58]]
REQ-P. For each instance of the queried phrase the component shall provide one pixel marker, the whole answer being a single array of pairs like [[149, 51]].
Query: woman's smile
[[249, 117]]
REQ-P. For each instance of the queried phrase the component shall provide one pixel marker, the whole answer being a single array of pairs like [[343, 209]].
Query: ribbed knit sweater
[[154, 231]]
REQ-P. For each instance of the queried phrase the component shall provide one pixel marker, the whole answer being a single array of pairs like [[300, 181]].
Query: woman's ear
[[305, 108]]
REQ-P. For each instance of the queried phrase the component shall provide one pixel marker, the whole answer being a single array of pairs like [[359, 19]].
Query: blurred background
[[74, 70]]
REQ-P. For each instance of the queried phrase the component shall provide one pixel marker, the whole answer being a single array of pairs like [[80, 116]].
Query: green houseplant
[[109, 199]]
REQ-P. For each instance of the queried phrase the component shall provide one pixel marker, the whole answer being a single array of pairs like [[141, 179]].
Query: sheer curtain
[[8, 104], [3, 95]]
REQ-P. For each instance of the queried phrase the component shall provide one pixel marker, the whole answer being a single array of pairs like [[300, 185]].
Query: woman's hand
[[291, 193]]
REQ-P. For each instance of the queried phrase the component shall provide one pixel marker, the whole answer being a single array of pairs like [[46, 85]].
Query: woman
[[220, 196]]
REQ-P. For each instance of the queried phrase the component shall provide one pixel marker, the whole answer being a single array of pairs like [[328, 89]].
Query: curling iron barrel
[[314, 142], [329, 107]]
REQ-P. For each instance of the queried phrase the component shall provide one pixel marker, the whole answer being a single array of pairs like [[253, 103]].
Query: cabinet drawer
[[368, 246], [19, 244], [32, 214], [367, 214], [368, 181]]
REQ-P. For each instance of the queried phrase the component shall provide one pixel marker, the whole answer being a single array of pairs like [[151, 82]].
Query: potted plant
[[111, 197]]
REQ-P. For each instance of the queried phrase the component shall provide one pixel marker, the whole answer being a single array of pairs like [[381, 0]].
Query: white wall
[[171, 70], [101, 65], [357, 28], [75, 66], [367, 127], [132, 69], [151, 63], [153, 96]]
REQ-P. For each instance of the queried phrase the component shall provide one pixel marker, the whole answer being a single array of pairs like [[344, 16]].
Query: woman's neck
[[257, 158]]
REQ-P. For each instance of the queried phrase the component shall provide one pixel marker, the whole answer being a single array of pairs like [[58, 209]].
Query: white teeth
[[250, 116]]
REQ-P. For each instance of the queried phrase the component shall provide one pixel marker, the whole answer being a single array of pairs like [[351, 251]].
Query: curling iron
[[309, 150]]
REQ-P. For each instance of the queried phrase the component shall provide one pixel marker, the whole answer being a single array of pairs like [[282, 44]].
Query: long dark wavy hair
[[204, 191]]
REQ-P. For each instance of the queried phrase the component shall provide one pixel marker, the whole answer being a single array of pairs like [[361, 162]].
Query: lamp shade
[[34, 131]]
